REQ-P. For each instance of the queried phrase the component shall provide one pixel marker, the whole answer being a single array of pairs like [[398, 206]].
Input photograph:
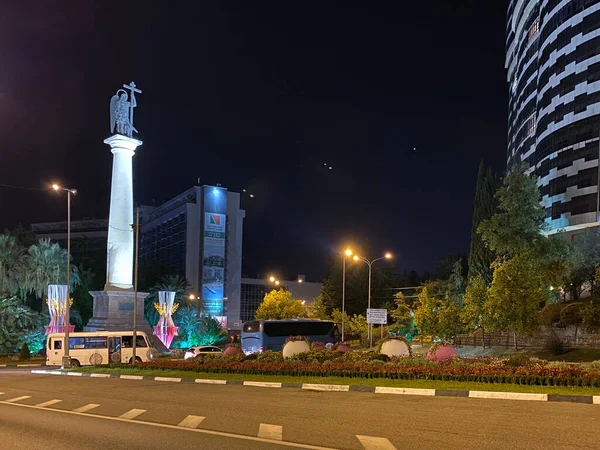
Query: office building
[[254, 290], [198, 234], [553, 63]]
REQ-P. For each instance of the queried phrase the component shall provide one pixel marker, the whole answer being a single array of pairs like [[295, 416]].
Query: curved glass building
[[553, 63]]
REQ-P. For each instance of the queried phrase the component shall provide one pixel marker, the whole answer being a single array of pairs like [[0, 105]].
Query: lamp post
[[348, 252], [370, 264], [66, 360]]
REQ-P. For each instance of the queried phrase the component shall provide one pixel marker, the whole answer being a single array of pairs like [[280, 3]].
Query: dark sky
[[259, 95]]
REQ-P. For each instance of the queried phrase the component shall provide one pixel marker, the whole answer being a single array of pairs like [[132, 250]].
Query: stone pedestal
[[113, 311]]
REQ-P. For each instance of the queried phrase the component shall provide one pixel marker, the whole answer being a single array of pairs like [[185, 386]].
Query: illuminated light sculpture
[[57, 304], [166, 330]]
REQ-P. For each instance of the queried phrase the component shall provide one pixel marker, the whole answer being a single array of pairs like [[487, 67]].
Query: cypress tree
[[484, 207]]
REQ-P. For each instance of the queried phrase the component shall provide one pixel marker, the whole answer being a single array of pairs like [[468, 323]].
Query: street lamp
[[370, 264], [272, 279], [348, 252], [66, 360]]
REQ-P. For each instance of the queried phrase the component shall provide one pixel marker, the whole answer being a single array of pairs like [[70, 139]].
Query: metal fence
[[507, 340]]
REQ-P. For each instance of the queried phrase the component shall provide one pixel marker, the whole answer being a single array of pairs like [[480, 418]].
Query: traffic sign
[[377, 316]]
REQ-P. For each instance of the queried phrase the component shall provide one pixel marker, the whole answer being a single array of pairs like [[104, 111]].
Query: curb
[[523, 396]]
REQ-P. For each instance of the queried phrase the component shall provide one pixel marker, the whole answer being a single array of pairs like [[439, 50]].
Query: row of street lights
[[348, 253]]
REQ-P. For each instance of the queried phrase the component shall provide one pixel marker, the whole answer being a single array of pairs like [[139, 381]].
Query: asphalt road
[[95, 413]]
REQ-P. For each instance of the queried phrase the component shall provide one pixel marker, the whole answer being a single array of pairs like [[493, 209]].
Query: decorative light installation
[[166, 330], [57, 305]]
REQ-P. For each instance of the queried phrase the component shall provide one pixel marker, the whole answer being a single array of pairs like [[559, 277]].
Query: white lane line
[[86, 408], [175, 427], [269, 431], [191, 421], [132, 414], [375, 443], [16, 399], [48, 403]]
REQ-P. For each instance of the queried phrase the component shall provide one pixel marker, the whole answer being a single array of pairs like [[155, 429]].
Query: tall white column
[[119, 265]]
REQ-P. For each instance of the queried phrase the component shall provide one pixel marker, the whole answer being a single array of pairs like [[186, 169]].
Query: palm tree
[[11, 254], [45, 263], [172, 283]]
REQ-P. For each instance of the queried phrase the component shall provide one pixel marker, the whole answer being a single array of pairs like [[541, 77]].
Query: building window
[[531, 126], [534, 29]]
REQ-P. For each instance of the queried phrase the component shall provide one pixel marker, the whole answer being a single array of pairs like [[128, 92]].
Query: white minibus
[[99, 347]]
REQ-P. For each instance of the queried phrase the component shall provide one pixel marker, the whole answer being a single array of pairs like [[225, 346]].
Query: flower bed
[[484, 370]]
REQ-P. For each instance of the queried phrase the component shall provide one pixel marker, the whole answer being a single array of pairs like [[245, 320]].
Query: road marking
[[175, 427], [262, 384], [205, 381], [404, 391], [132, 414], [86, 408], [191, 421], [375, 443], [508, 396], [48, 403], [174, 380], [100, 375], [132, 377], [596, 400], [326, 387], [269, 431], [16, 399]]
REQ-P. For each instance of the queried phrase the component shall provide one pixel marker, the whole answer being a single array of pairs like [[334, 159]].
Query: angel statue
[[121, 111]]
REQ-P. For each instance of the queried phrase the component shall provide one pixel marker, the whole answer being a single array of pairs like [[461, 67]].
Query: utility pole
[[136, 228]]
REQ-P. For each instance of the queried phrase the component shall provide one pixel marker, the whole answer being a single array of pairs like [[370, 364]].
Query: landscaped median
[[478, 374]]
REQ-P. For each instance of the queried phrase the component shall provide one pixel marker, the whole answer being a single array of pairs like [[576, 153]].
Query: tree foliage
[[484, 207], [516, 227], [473, 314], [278, 304], [515, 295], [19, 325], [354, 326], [318, 309]]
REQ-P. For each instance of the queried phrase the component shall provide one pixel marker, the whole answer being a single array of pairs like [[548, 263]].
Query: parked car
[[202, 350]]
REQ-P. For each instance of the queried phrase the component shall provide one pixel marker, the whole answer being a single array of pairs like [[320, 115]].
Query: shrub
[[555, 345], [380, 357], [269, 356], [550, 315], [25, 355], [517, 360]]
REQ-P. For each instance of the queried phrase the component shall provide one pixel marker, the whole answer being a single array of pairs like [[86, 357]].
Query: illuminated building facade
[[553, 63]]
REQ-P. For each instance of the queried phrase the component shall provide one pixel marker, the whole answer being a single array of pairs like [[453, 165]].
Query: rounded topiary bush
[[233, 349], [295, 345], [441, 351], [394, 346]]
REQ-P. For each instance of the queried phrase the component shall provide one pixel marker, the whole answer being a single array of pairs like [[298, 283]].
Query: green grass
[[423, 384], [8, 362]]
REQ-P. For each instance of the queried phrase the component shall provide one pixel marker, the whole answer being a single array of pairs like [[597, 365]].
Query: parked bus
[[261, 335], [99, 347]]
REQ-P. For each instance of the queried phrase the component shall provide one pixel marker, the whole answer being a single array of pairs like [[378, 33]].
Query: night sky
[[264, 96]]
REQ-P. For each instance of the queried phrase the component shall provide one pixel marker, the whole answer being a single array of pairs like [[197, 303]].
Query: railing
[[478, 339]]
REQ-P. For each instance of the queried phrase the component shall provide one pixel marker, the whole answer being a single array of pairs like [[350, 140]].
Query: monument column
[[119, 263]]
